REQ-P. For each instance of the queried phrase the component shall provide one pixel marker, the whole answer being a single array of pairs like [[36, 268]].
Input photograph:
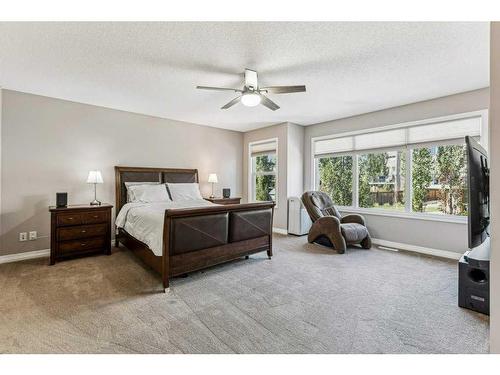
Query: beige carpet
[[307, 299]]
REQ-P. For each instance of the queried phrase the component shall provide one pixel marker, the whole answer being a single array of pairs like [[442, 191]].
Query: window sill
[[406, 215]]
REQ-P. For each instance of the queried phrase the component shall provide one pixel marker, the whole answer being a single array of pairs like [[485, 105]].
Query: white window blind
[[264, 148], [445, 130], [380, 139], [441, 131], [334, 145]]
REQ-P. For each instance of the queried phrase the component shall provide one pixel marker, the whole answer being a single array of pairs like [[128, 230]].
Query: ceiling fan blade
[[251, 79], [231, 103], [217, 88], [265, 101], [283, 89]]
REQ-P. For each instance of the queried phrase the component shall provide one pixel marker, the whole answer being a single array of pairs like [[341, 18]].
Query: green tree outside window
[[336, 178], [265, 177], [422, 170]]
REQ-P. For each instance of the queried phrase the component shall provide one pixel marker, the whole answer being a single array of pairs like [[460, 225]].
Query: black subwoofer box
[[474, 285]]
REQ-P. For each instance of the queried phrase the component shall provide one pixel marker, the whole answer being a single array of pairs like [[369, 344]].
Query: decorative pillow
[[149, 193], [130, 197], [184, 191]]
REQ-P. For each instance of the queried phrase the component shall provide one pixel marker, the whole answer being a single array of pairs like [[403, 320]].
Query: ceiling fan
[[252, 94]]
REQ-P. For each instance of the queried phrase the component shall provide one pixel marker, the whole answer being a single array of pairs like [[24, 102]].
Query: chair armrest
[[329, 227], [324, 226], [353, 218], [328, 221]]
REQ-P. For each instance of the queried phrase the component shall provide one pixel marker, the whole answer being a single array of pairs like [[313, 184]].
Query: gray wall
[[432, 234], [495, 187], [295, 160], [290, 164], [49, 145], [1, 92]]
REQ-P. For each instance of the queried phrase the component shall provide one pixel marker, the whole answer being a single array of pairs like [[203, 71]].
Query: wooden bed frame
[[196, 238]]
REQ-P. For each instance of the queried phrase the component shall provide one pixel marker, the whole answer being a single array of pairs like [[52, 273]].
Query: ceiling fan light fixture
[[252, 94], [250, 99]]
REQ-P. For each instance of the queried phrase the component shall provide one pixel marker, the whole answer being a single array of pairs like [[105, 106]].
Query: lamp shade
[[212, 177], [94, 177]]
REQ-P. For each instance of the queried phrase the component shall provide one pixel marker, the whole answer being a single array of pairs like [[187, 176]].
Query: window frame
[[252, 174], [407, 149]]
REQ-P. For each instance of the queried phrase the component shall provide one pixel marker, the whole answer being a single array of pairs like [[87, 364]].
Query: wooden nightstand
[[79, 230], [224, 200]]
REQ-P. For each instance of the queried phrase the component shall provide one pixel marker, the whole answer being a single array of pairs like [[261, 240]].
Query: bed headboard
[[142, 174]]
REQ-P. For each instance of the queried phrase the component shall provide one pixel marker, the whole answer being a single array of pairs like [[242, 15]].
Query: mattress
[[144, 221]]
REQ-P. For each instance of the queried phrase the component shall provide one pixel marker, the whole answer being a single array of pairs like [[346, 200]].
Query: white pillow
[[130, 197], [184, 192], [149, 193]]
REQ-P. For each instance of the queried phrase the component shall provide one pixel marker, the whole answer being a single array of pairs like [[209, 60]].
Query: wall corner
[[494, 121]]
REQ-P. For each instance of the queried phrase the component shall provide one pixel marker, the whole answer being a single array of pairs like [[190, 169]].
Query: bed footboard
[[197, 238]]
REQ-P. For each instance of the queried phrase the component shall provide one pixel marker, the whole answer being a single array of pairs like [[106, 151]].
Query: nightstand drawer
[[81, 231], [95, 217], [81, 245], [69, 219]]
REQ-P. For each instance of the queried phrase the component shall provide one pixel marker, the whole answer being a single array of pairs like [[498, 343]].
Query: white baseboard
[[45, 253], [376, 241], [280, 231], [23, 256], [417, 249]]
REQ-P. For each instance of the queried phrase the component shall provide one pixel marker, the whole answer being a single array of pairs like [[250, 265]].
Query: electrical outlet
[[32, 235], [23, 236]]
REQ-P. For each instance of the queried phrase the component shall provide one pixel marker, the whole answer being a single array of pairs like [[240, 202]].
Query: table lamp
[[95, 178], [212, 177]]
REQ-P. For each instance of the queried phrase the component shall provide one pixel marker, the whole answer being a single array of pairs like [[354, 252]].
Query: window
[[439, 176], [417, 168], [381, 180], [336, 178], [264, 167]]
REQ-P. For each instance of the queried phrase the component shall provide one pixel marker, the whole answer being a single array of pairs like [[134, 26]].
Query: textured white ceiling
[[153, 68]]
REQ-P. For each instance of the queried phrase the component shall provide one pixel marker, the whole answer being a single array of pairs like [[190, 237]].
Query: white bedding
[[144, 221]]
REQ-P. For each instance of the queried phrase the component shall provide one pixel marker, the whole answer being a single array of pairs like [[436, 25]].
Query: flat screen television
[[479, 194]]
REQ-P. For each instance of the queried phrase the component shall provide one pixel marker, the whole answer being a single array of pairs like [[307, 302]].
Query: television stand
[[474, 279]]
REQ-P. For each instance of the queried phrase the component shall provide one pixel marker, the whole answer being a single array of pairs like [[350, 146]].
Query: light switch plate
[[33, 235], [23, 236]]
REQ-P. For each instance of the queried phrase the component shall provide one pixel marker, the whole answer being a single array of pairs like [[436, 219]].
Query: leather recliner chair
[[330, 228]]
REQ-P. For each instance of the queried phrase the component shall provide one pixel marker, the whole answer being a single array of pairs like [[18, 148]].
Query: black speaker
[[61, 199], [474, 285], [226, 193]]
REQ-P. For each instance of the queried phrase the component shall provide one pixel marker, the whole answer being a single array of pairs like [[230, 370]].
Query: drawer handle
[[70, 218], [96, 216], [83, 244], [84, 231]]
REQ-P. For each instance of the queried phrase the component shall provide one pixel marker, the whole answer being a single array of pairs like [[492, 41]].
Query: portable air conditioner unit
[[299, 222]]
